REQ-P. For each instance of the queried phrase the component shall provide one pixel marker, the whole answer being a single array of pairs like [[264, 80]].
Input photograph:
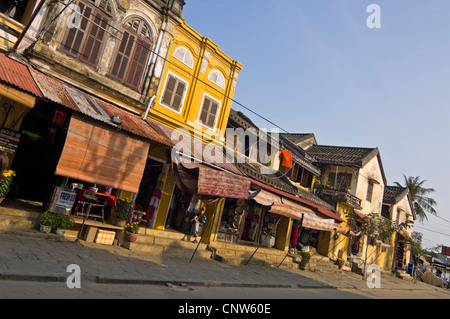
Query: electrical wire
[[434, 231], [187, 72]]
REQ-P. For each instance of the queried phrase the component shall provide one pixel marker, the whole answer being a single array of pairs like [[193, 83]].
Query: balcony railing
[[342, 196]]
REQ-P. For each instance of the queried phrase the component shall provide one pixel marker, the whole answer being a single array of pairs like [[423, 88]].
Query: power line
[[177, 66], [162, 57], [434, 231]]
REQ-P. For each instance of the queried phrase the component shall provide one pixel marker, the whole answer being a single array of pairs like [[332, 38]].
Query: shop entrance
[[308, 237], [150, 180], [182, 209], [43, 132], [247, 223]]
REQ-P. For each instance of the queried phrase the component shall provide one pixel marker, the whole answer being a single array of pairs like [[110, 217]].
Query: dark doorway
[[44, 130], [152, 172]]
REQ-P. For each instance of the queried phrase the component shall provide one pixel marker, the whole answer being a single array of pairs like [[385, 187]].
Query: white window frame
[[219, 75], [213, 128], [164, 90], [183, 60]]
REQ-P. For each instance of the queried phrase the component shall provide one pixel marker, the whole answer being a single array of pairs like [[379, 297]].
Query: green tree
[[422, 203], [376, 229]]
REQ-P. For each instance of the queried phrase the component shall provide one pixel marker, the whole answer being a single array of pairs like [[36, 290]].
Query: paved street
[[50, 290], [28, 259]]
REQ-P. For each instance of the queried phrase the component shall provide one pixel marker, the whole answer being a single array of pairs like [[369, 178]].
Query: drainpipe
[[149, 105]]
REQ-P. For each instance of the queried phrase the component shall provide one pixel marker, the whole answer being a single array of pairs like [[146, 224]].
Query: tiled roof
[[392, 194], [297, 137], [342, 155]]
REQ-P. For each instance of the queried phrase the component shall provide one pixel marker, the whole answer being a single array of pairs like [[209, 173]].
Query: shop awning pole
[[259, 245], [210, 223]]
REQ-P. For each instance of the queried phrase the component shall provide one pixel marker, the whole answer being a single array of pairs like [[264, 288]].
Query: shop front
[[247, 222], [79, 155], [18, 95]]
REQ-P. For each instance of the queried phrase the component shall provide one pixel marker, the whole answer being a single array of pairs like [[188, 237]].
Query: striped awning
[[277, 206]]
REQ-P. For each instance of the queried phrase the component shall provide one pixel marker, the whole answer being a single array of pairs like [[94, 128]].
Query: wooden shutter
[[95, 39], [96, 153], [123, 55], [138, 64], [75, 36], [174, 93], [209, 112]]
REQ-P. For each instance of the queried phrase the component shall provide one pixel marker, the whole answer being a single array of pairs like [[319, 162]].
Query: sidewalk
[[32, 256]]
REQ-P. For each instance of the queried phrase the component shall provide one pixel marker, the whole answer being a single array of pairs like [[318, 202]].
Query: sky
[[316, 67]]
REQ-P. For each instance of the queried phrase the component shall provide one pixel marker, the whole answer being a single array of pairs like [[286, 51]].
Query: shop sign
[[66, 198], [9, 140]]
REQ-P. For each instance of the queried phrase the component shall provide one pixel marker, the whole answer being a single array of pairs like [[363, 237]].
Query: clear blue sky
[[315, 66]]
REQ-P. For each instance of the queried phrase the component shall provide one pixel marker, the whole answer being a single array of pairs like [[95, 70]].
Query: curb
[[62, 278]]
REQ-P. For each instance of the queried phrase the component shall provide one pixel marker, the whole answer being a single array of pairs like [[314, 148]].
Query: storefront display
[[269, 230], [232, 215]]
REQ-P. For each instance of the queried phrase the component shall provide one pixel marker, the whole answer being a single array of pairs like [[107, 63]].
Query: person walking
[[198, 222]]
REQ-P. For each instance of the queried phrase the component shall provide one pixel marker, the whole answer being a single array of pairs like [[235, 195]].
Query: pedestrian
[[294, 236], [198, 222]]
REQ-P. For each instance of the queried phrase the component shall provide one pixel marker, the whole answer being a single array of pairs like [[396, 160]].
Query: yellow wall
[[206, 57], [166, 197], [337, 244]]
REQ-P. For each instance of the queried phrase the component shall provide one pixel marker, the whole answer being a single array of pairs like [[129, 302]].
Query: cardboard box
[[105, 237]]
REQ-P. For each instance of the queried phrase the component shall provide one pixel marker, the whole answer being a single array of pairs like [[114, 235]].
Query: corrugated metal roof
[[18, 75], [93, 107]]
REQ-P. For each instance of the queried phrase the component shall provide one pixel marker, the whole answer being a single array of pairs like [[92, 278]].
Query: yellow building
[[197, 85]]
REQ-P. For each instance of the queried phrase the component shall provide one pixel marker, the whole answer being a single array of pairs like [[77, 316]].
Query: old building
[[398, 208]]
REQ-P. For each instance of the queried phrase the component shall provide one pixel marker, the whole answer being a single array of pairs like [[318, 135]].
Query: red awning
[[208, 183]]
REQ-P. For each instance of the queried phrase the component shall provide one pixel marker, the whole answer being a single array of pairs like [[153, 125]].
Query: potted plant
[[63, 222], [47, 222], [306, 257], [340, 263], [122, 211], [5, 183], [131, 231]]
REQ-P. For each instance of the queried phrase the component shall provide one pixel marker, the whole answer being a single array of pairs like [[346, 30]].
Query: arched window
[[183, 54], [132, 53], [217, 78], [85, 41]]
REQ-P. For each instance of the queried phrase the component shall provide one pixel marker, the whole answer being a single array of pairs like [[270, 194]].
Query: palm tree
[[422, 203]]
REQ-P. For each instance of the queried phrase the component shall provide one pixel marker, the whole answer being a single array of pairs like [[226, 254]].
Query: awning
[[298, 199], [98, 154], [276, 204], [210, 184], [314, 222]]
